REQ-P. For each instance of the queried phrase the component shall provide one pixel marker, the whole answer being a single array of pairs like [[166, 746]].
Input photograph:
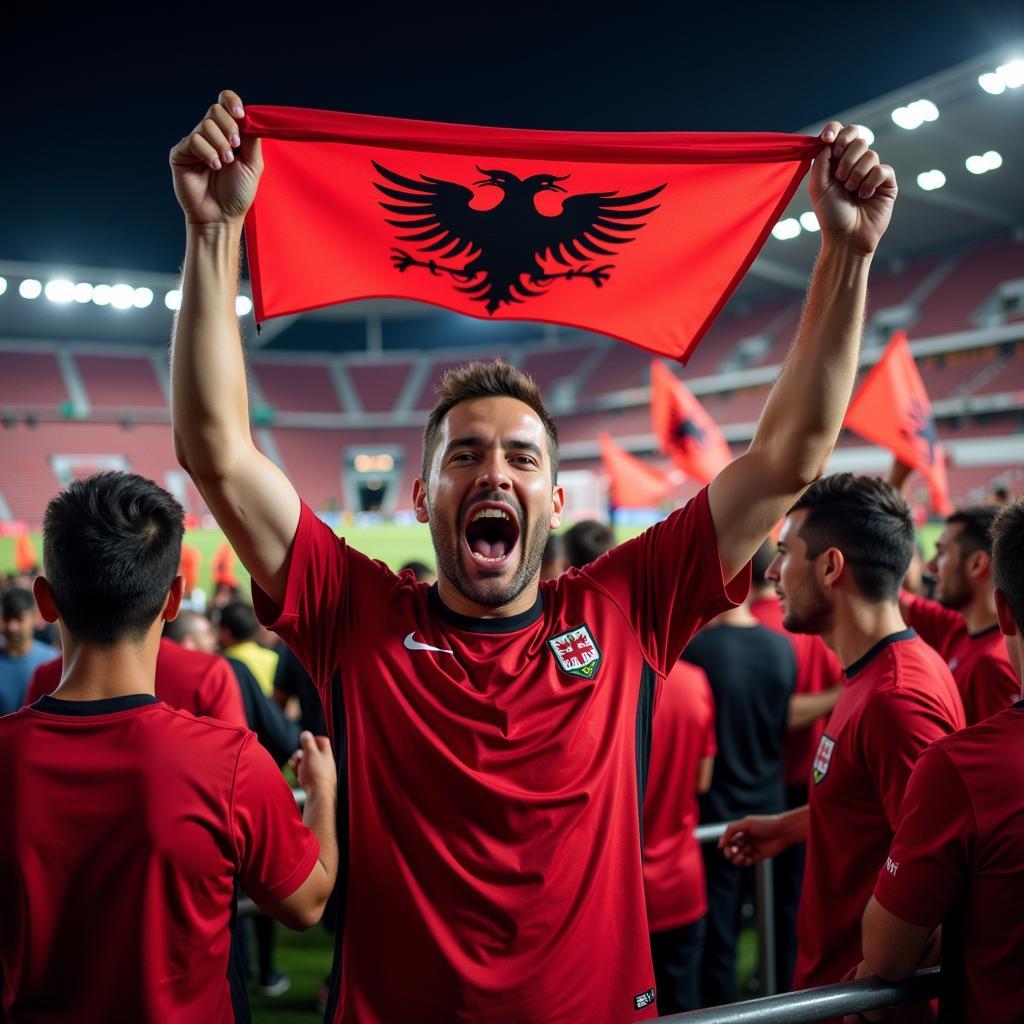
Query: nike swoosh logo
[[412, 644]]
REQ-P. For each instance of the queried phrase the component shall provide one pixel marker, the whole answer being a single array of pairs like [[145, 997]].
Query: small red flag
[[641, 236], [683, 429], [25, 557], [634, 483], [222, 566], [892, 409]]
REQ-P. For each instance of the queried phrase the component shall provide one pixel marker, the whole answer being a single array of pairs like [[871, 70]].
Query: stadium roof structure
[[954, 139]]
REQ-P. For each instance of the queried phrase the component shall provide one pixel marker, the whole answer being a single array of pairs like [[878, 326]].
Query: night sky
[[94, 101]]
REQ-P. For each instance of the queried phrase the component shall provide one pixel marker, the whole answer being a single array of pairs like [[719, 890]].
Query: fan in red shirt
[[961, 622], [128, 823], [843, 551], [496, 728], [957, 855], [201, 683]]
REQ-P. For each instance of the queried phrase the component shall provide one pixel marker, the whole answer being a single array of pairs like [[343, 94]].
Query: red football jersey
[[978, 661], [201, 683], [896, 700], [684, 732], [125, 825], [817, 670], [957, 859], [495, 868]]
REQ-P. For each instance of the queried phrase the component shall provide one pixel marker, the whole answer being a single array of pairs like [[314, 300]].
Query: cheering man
[[495, 728]]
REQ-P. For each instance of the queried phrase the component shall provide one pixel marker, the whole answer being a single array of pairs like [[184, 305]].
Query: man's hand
[[313, 764], [216, 169], [872, 1016], [851, 190], [899, 473], [755, 838]]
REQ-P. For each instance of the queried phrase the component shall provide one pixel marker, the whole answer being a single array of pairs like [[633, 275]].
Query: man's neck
[[453, 599], [740, 616], [980, 613], [98, 673], [20, 651], [858, 625]]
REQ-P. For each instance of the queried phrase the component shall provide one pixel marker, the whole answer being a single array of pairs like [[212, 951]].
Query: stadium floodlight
[[142, 297], [809, 222], [60, 290], [915, 114], [30, 288], [3, 285], [981, 163], [992, 83], [787, 228], [243, 305], [83, 292], [122, 296], [1011, 74], [931, 180], [866, 134], [172, 300], [101, 294]]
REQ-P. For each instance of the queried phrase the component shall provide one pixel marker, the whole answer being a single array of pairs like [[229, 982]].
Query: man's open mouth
[[491, 534]]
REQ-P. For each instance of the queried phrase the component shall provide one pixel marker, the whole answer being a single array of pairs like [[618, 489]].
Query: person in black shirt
[[752, 672]]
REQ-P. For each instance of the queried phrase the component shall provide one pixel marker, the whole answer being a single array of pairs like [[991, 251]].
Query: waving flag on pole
[[683, 429], [642, 236], [892, 409], [633, 482]]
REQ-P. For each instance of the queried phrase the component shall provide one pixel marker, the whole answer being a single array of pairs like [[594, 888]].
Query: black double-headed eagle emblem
[[921, 430], [498, 253]]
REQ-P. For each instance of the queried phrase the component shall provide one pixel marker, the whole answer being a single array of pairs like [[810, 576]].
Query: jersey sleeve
[[930, 852], [668, 581], [993, 687], [220, 696], [276, 852], [897, 725], [331, 589], [939, 627]]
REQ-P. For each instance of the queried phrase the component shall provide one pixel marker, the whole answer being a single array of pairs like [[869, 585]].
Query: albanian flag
[[892, 409], [642, 236], [683, 429], [634, 483]]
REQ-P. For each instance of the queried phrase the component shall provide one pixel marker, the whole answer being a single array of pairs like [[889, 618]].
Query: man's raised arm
[[852, 194], [215, 175]]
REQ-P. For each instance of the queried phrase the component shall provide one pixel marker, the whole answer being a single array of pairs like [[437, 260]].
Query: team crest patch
[[823, 758], [576, 652]]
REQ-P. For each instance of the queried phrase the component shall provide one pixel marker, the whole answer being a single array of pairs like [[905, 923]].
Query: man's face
[[18, 632], [201, 635], [952, 584], [489, 500], [805, 604]]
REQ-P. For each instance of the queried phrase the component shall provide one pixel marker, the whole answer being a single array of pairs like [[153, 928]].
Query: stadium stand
[[297, 387], [120, 382], [31, 380], [379, 385]]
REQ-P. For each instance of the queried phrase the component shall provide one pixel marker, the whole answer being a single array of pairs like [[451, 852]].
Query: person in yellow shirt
[[237, 630]]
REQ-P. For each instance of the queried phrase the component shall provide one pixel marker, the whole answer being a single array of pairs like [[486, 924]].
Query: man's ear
[[174, 597], [979, 564], [419, 500], [44, 599], [831, 566], [557, 504], [1007, 623]]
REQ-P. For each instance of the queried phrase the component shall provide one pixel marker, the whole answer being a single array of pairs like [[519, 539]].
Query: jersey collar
[[498, 624], [87, 708], [892, 638]]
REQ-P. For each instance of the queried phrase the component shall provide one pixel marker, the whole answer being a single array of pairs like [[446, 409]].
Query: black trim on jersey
[[644, 727], [86, 708], [237, 972], [334, 914], [506, 624], [983, 632], [892, 638]]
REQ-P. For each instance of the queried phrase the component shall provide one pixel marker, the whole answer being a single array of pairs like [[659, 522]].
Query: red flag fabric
[[642, 236], [188, 567], [222, 566], [892, 409], [633, 482], [25, 557], [683, 429]]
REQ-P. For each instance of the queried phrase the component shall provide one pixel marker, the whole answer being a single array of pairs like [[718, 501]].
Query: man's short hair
[[869, 521], [1008, 557], [183, 626], [586, 540], [420, 570], [111, 546], [495, 379], [239, 619], [15, 602], [976, 531], [763, 557]]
